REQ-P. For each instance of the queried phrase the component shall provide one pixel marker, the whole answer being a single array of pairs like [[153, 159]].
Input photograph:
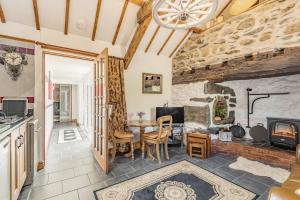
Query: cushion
[[154, 135], [121, 135]]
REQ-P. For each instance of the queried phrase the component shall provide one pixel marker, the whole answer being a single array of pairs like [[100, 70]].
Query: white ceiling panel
[[19, 11]]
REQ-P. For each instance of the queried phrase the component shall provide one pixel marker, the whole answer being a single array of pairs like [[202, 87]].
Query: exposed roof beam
[[165, 43], [137, 2], [67, 16], [180, 43], [36, 15], [137, 38], [120, 21], [145, 11], [96, 19], [2, 17], [152, 38], [223, 10], [139, 33]]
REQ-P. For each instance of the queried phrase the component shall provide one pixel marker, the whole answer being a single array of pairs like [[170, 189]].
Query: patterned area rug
[[69, 135], [179, 181]]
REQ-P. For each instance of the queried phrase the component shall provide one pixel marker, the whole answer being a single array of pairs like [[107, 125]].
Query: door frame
[[44, 53]]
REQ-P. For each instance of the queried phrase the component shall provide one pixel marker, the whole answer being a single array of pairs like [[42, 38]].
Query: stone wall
[[276, 24], [285, 106]]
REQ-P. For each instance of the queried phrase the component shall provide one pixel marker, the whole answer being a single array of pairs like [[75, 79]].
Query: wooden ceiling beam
[[180, 43], [36, 15], [67, 16], [120, 22], [225, 8], [2, 16], [137, 38], [139, 33], [137, 2], [145, 11], [96, 19], [165, 43], [152, 38]]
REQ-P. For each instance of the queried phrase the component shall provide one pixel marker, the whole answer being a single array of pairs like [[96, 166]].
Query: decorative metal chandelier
[[183, 14]]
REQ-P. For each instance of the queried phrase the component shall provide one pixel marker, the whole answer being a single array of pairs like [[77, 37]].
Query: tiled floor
[[72, 174]]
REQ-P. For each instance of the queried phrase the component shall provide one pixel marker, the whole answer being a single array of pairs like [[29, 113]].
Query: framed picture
[[152, 83]]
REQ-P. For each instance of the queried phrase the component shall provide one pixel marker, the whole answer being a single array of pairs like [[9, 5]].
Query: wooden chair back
[[165, 126]]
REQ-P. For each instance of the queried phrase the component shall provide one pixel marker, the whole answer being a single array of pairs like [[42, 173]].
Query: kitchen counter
[[6, 131]]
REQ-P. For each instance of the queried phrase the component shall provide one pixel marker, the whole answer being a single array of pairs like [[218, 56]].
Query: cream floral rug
[[179, 181], [259, 169]]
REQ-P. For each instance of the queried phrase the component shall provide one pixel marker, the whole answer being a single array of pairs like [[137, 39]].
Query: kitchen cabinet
[[18, 160]]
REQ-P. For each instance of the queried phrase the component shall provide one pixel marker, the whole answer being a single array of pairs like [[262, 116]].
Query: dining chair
[[121, 137], [159, 137]]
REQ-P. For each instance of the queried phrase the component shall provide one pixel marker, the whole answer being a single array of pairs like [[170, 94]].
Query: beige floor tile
[[85, 169], [40, 180], [87, 193], [46, 191], [75, 183], [61, 175], [67, 196]]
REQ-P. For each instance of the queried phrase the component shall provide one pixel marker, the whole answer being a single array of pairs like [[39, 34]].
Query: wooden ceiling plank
[[180, 43], [120, 21], [137, 2], [152, 38], [36, 15], [137, 38], [2, 16], [67, 16], [165, 43], [96, 19]]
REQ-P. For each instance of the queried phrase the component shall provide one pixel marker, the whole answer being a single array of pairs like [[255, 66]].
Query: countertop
[[14, 126]]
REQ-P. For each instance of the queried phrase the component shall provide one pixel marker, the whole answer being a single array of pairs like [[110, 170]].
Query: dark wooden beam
[[36, 15], [166, 42], [145, 11], [180, 43], [67, 16], [2, 16], [120, 21], [262, 65], [137, 38], [152, 38], [96, 19]]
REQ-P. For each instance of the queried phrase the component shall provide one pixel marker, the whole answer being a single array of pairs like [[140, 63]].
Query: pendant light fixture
[[183, 14]]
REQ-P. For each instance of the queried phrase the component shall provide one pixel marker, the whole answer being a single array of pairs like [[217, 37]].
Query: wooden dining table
[[142, 125]]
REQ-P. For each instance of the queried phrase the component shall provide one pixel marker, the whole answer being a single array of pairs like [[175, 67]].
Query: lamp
[[183, 14]]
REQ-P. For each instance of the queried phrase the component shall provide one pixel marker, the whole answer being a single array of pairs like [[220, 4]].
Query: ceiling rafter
[[96, 19], [120, 21], [67, 17], [2, 16], [140, 31], [165, 43], [225, 8], [180, 43], [137, 2], [36, 15], [152, 38]]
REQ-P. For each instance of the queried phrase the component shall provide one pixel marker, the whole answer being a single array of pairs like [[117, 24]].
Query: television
[[176, 112]]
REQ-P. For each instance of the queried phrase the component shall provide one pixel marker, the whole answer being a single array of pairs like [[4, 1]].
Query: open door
[[101, 118]]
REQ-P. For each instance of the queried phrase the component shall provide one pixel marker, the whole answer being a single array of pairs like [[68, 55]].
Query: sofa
[[290, 189]]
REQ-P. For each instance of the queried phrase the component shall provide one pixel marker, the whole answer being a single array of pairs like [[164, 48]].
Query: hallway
[[70, 172]]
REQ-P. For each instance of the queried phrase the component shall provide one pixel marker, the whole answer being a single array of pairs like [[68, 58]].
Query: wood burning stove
[[284, 132]]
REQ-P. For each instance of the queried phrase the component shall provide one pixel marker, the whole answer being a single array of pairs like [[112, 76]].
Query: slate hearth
[[265, 153]]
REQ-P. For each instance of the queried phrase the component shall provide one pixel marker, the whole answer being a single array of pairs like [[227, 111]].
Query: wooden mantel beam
[[120, 21], [2, 17], [139, 33], [67, 17], [96, 19], [36, 15]]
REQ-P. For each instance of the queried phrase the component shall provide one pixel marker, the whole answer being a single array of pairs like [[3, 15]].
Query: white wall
[[135, 99], [74, 102], [48, 111]]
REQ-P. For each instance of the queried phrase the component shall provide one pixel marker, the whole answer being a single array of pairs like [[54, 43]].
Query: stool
[[199, 137], [198, 153]]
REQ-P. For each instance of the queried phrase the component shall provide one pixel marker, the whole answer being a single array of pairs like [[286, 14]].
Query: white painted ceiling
[[52, 16], [68, 70]]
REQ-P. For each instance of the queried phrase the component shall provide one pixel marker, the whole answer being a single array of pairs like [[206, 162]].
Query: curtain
[[117, 94]]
